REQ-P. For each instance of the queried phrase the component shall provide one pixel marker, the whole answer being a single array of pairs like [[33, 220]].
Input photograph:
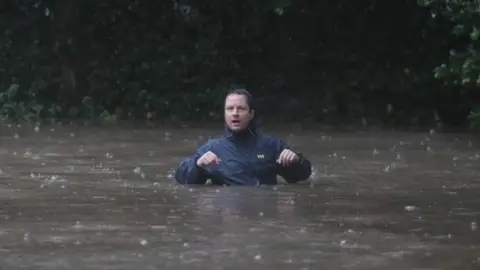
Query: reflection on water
[[89, 198]]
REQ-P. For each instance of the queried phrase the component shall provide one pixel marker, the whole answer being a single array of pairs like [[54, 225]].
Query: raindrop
[[410, 208], [168, 136], [36, 129], [26, 237], [261, 214], [375, 152], [186, 245], [389, 108], [258, 257], [475, 156], [143, 242], [16, 136], [474, 226]]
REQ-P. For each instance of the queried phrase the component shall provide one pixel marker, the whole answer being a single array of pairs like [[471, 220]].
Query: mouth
[[235, 122]]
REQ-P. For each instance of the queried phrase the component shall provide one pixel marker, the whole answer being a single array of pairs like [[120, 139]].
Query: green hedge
[[384, 62]]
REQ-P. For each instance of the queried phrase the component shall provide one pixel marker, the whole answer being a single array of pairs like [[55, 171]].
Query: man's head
[[238, 110]]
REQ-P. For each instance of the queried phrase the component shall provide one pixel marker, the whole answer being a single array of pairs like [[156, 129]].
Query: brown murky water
[[91, 198]]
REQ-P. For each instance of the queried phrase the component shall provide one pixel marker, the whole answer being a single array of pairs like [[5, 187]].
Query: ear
[[252, 114]]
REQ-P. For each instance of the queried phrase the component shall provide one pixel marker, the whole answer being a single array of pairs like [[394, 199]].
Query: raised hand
[[208, 158], [287, 157]]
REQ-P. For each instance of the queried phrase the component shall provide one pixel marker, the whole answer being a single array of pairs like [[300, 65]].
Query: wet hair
[[242, 92]]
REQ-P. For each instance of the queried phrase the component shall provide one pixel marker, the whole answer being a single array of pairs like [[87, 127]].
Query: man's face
[[237, 112]]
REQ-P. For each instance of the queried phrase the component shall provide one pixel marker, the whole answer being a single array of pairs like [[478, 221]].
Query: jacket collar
[[249, 132]]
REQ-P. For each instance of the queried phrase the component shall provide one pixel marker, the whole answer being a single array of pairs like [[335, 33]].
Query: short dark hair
[[242, 92]]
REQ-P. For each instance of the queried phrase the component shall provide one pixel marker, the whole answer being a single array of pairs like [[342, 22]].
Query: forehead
[[236, 100]]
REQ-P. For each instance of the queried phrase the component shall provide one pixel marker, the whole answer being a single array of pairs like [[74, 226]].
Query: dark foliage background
[[377, 62]]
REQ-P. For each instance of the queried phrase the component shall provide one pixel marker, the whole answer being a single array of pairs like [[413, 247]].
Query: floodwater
[[77, 197]]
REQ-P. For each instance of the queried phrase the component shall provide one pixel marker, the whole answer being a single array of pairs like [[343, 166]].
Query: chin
[[236, 128]]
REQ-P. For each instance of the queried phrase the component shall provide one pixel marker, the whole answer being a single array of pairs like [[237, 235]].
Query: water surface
[[103, 198]]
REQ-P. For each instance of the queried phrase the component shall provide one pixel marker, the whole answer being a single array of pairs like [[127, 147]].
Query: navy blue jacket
[[247, 158]]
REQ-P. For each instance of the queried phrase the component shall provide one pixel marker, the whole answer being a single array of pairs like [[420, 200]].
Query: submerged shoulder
[[215, 141], [211, 143]]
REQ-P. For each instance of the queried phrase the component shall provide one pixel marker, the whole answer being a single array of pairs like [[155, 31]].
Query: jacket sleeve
[[188, 172], [298, 171]]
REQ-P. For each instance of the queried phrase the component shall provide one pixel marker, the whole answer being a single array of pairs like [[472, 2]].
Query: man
[[243, 156]]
